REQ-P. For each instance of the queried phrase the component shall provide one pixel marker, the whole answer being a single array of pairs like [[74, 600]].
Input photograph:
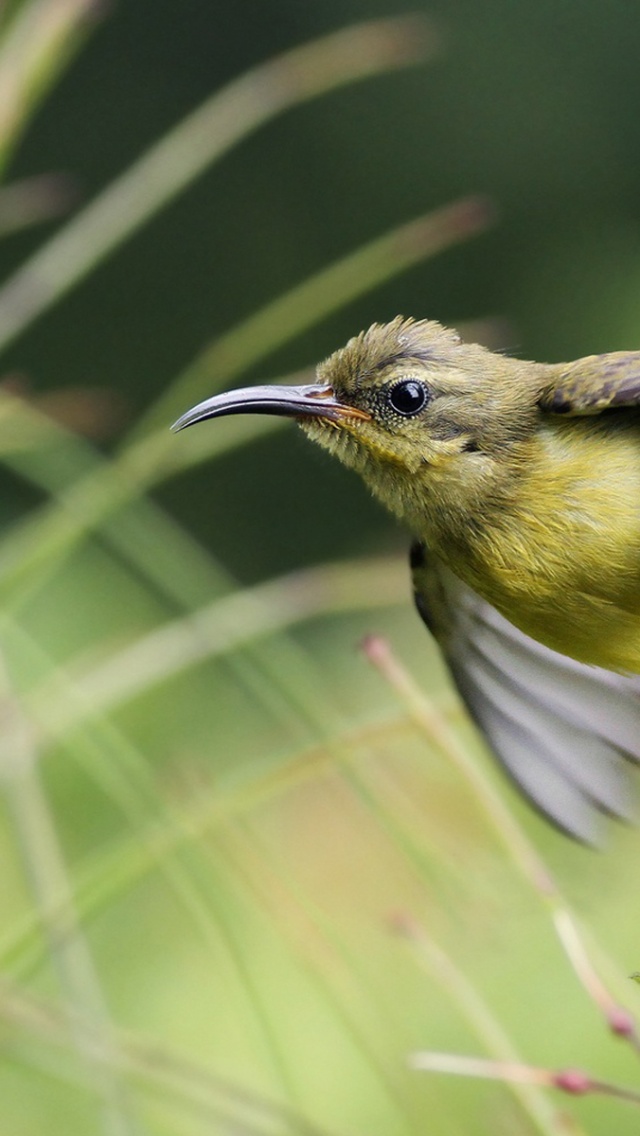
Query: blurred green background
[[533, 104], [215, 810]]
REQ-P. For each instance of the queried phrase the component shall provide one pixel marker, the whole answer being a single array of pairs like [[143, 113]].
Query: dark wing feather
[[594, 384], [561, 729]]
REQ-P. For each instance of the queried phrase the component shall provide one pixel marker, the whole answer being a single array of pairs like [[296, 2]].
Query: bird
[[520, 484]]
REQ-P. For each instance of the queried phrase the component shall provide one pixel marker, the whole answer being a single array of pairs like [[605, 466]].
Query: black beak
[[313, 401]]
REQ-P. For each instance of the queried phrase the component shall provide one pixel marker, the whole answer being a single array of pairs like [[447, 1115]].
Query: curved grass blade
[[35, 546], [170, 165]]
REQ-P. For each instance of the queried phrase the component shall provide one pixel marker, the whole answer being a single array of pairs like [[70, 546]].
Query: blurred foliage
[[245, 875]]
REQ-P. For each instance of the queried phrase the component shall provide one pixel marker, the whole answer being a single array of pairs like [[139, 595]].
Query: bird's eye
[[408, 397]]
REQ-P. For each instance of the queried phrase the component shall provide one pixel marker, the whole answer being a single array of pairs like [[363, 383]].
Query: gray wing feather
[[561, 729]]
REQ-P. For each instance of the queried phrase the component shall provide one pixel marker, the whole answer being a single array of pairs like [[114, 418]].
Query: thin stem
[[435, 726], [89, 1020], [571, 1081], [489, 1030]]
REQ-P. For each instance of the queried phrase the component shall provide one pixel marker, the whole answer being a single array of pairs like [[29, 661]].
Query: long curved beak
[[314, 401]]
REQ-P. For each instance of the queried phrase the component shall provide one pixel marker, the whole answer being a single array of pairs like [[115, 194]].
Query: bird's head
[[403, 401]]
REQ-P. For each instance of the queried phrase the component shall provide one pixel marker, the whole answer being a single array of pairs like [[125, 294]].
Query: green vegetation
[[250, 871]]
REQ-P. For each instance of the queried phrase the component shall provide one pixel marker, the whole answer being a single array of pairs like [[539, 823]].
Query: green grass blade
[[34, 547], [35, 47], [200, 139]]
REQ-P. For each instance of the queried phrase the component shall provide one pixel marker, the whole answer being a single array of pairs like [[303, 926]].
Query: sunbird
[[520, 482]]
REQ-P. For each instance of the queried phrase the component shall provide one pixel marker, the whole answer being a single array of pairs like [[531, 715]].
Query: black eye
[[408, 397]]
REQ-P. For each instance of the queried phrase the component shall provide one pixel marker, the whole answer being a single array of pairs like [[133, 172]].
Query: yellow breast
[[562, 562]]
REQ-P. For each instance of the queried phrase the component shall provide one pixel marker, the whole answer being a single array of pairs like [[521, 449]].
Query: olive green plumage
[[521, 485], [537, 510]]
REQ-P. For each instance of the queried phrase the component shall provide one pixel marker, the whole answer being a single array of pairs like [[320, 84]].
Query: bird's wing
[[594, 384], [560, 728]]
